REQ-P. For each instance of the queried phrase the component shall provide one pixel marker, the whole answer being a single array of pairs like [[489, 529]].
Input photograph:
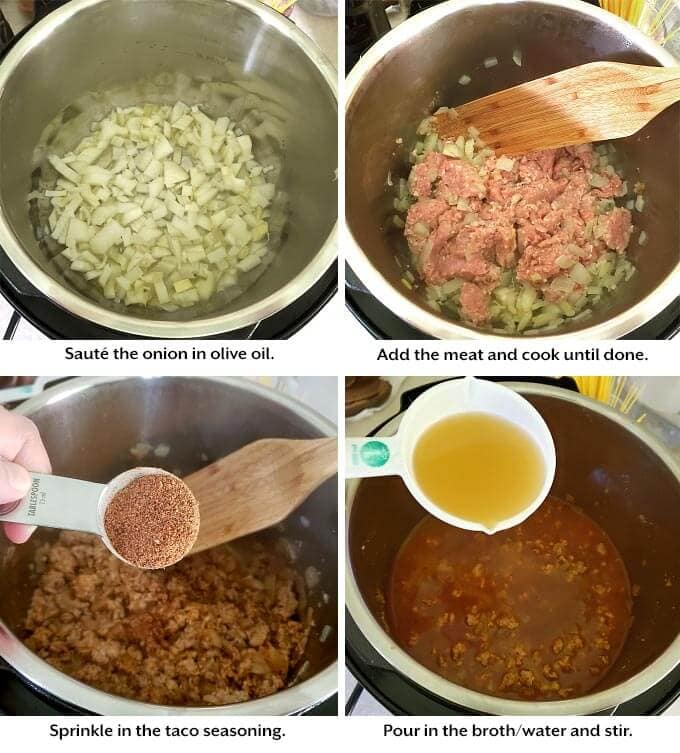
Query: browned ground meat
[[216, 628], [472, 223]]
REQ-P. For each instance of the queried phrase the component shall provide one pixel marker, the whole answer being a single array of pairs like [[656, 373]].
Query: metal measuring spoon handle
[[57, 502]]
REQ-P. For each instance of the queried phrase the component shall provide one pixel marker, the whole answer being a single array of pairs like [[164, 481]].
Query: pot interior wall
[[88, 434], [421, 74], [117, 43], [611, 475]]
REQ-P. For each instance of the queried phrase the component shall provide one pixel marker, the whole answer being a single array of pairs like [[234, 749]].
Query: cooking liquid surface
[[537, 612], [478, 467]]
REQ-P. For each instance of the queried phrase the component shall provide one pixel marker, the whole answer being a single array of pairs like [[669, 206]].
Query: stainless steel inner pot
[[415, 68], [620, 477], [93, 45], [195, 416]]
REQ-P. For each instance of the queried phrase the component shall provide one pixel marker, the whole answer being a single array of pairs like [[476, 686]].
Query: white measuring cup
[[393, 456], [71, 504]]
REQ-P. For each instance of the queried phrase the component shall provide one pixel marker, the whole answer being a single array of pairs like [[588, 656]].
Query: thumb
[[15, 481]]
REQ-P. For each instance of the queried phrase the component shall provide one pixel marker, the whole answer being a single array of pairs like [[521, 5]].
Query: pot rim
[[390, 296], [87, 309], [404, 664], [293, 700]]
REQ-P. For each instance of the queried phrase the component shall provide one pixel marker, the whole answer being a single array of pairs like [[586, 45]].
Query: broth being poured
[[478, 467]]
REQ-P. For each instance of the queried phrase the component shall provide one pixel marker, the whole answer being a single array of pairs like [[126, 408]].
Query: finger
[[20, 441], [18, 533], [15, 481], [33, 454]]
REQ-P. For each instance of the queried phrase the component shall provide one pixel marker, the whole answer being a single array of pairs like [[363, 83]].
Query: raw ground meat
[[472, 223], [475, 302], [217, 628]]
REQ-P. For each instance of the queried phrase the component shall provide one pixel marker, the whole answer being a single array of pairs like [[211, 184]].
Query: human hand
[[21, 451]]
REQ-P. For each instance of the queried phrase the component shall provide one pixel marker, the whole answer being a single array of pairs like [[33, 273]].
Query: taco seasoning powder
[[153, 521]]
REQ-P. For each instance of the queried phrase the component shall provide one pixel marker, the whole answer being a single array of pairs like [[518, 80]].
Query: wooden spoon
[[592, 102], [258, 486]]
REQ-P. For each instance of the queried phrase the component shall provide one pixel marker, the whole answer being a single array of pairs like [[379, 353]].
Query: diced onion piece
[[250, 262], [598, 181], [517, 57], [451, 150], [490, 62], [162, 148], [464, 80], [579, 274], [108, 236], [61, 167], [96, 176], [182, 285], [173, 173], [505, 163], [78, 232]]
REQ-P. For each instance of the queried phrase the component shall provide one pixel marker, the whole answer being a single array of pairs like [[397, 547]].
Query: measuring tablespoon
[[394, 455], [72, 504], [253, 488]]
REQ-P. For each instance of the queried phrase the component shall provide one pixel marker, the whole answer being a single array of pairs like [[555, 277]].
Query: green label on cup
[[375, 453]]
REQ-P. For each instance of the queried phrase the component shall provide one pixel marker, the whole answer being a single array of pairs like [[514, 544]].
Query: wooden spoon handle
[[258, 486]]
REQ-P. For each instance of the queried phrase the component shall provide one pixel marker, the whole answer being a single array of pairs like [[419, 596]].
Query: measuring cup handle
[[372, 456]]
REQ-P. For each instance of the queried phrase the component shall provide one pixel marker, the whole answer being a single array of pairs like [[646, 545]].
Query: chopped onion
[[517, 57], [505, 163], [162, 450], [642, 240], [464, 80], [598, 181], [325, 633], [490, 62], [580, 274], [451, 150], [162, 206]]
